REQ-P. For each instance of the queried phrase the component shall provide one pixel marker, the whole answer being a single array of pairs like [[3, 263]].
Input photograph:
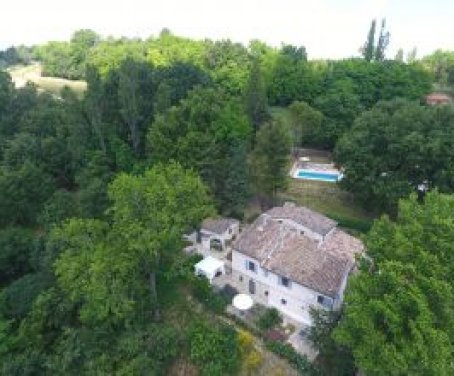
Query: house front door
[[251, 286]]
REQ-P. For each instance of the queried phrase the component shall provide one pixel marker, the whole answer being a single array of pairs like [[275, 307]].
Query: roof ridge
[[278, 244]]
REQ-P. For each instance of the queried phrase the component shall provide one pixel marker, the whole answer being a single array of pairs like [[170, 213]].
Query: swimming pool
[[319, 175]]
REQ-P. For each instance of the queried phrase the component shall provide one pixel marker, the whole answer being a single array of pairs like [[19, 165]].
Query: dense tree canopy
[[394, 147], [67, 60], [270, 159], [399, 311], [202, 134], [256, 98], [97, 188], [307, 124], [441, 64]]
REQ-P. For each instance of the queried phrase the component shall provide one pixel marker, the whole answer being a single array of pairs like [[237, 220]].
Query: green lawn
[[329, 199]]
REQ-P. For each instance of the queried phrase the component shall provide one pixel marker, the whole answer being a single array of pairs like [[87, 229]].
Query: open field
[[22, 74]]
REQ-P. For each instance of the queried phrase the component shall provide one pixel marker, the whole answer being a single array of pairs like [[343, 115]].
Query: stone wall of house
[[294, 301]]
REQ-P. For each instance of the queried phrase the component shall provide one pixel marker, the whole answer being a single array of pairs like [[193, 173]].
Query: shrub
[[300, 362], [228, 291], [245, 339], [251, 357], [252, 361], [360, 225], [204, 293], [214, 349], [269, 319]]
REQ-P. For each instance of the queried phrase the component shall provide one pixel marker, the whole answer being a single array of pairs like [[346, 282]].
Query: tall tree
[[270, 159], [334, 359], [128, 98], [382, 43], [16, 245], [369, 46], [151, 213], [411, 56], [394, 147], [307, 124], [95, 106], [81, 43], [236, 183], [23, 193], [199, 133], [340, 105], [399, 312], [135, 98], [111, 268], [399, 55], [256, 98]]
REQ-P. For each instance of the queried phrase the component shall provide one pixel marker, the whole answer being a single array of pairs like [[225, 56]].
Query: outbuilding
[[218, 231], [209, 267]]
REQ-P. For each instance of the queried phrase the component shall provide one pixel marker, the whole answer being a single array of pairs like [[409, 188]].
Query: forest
[[96, 191]]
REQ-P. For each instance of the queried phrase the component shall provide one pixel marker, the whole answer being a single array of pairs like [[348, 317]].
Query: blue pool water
[[323, 176]]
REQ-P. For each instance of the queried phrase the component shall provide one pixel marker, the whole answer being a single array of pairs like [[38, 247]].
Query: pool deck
[[328, 168]]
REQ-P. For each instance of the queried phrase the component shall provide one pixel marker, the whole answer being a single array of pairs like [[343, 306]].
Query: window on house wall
[[283, 301], [325, 301], [265, 272], [251, 266], [266, 293], [241, 278], [284, 281]]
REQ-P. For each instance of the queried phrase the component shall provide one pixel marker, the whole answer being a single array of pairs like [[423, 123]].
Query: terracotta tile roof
[[342, 244], [286, 252], [218, 225], [439, 96], [308, 218]]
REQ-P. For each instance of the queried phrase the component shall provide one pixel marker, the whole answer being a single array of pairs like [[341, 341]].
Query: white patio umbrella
[[242, 302]]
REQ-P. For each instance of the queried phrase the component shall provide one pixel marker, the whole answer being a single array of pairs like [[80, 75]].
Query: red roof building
[[437, 99]]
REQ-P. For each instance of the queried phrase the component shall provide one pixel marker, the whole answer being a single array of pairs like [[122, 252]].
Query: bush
[[251, 357], [204, 293], [229, 292], [245, 340], [269, 319], [300, 362], [252, 361], [214, 349], [361, 225]]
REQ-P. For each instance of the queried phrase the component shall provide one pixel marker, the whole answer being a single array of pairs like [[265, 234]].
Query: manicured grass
[[53, 85], [329, 199]]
